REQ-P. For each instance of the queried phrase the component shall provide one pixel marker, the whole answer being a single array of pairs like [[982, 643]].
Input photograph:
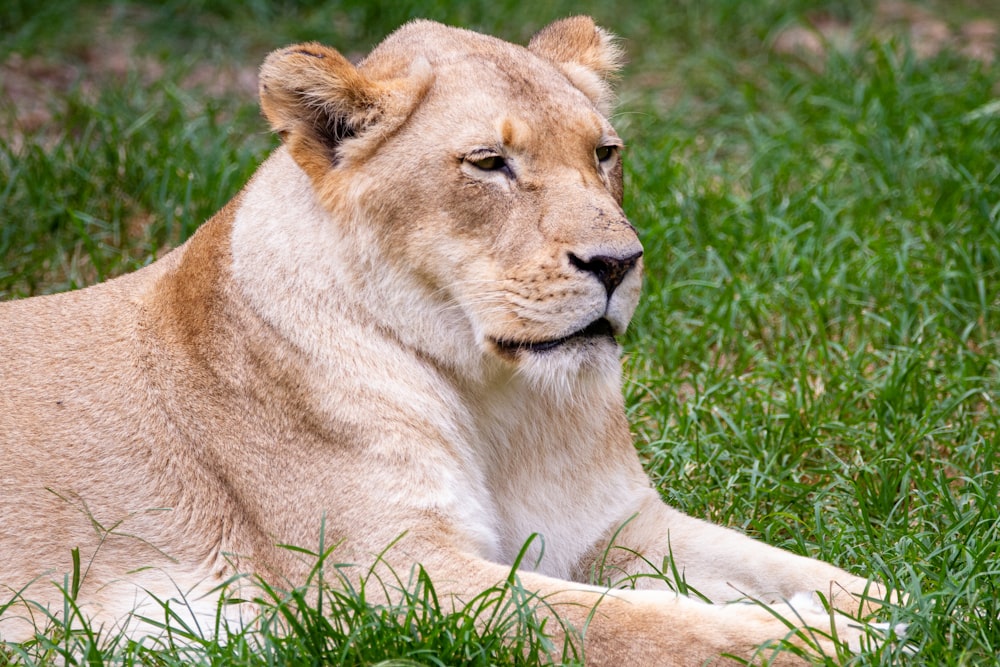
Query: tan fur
[[340, 342]]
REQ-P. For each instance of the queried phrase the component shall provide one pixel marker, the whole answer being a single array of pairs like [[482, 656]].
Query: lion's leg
[[647, 627], [720, 563]]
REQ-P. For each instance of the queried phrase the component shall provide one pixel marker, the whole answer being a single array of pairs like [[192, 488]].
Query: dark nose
[[611, 271]]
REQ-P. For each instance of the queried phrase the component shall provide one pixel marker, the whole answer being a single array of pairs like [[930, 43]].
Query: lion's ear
[[588, 55], [316, 100]]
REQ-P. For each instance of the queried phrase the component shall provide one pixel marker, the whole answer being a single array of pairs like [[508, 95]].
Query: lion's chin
[[598, 331]]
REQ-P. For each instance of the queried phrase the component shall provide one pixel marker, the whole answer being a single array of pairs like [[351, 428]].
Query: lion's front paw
[[859, 636]]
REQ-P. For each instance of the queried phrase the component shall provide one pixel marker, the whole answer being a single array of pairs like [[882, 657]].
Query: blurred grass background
[[817, 185]]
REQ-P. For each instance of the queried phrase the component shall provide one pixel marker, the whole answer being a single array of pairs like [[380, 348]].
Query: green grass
[[327, 620], [816, 360]]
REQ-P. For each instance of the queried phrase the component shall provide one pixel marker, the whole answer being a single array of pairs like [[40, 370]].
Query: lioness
[[405, 323]]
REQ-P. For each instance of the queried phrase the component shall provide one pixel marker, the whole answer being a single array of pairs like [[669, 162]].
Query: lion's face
[[498, 187]]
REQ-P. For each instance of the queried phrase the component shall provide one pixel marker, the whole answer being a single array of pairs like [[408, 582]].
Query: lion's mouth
[[597, 329]]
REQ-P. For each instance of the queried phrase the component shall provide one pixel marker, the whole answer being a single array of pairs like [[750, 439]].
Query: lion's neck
[[321, 279]]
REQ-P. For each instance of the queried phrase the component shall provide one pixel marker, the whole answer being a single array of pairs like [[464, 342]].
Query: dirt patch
[[928, 33], [34, 88]]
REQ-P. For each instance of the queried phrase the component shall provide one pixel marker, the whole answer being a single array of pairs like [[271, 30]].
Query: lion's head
[[485, 172]]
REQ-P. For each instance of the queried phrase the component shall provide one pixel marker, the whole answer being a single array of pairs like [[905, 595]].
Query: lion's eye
[[605, 153], [489, 163]]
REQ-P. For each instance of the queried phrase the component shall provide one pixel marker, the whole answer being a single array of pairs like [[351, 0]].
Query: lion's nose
[[610, 270]]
